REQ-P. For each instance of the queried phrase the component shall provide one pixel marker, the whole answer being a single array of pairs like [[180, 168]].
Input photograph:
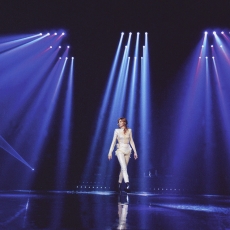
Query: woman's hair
[[126, 123]]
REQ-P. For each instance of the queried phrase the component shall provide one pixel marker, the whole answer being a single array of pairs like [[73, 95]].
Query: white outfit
[[123, 150]]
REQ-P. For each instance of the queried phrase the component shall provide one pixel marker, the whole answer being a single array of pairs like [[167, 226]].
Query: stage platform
[[104, 210]]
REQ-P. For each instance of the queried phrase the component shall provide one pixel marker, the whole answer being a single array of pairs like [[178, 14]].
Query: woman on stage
[[124, 137]]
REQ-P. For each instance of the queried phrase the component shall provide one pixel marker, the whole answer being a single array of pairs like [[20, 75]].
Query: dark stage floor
[[108, 210]]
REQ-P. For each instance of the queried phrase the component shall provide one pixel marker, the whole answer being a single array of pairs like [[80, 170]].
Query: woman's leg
[[123, 160]]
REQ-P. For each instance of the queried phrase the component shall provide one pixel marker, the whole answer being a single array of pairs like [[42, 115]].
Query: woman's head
[[122, 123]]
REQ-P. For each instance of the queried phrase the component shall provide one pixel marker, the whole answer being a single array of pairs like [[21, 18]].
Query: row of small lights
[[60, 47], [207, 57], [53, 34], [211, 46], [66, 58], [158, 189], [214, 32]]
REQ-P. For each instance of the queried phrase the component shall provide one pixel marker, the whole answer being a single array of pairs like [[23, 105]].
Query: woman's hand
[[135, 156], [110, 156]]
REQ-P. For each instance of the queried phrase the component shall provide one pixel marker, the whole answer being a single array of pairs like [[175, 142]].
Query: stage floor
[[108, 210]]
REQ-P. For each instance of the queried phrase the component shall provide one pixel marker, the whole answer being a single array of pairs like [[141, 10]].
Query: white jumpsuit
[[123, 150]]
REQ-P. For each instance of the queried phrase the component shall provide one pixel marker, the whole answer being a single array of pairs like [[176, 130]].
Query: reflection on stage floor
[[109, 210]]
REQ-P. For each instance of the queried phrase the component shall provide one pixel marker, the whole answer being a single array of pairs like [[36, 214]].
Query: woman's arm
[[112, 145], [132, 144]]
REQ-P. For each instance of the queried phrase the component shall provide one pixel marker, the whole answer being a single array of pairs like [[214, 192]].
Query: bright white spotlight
[[67, 47], [214, 32], [129, 57], [146, 33], [205, 32], [206, 57], [55, 33], [66, 58], [63, 34], [59, 47], [212, 57], [200, 57], [59, 57], [51, 47], [138, 33], [48, 34], [125, 47], [72, 57], [143, 46], [222, 32], [40, 34], [211, 45], [130, 33], [202, 46], [122, 33], [221, 46]]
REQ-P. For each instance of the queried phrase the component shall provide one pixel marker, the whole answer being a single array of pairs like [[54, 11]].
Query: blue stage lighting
[[211, 45], [63, 34], [66, 58], [221, 46], [206, 32], [59, 47], [55, 33], [222, 32], [68, 47], [40, 34], [72, 57], [214, 32], [51, 47], [48, 34]]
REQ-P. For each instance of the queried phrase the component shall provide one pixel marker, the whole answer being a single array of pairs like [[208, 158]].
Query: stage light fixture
[[59, 47], [66, 58], [48, 34], [202, 46], [51, 47], [59, 57], [63, 34], [222, 32], [146, 33], [72, 57], [55, 33], [211, 45], [40, 34], [214, 32], [67, 47], [206, 57], [205, 32], [221, 46]]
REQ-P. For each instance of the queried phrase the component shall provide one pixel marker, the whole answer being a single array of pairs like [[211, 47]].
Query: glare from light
[[59, 57], [206, 57], [48, 34], [66, 58], [146, 33], [205, 32], [63, 34], [214, 32], [202, 46], [59, 47], [221, 46], [67, 47], [72, 57], [211, 45], [40, 34], [51, 47], [199, 57], [213, 57], [222, 32]]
